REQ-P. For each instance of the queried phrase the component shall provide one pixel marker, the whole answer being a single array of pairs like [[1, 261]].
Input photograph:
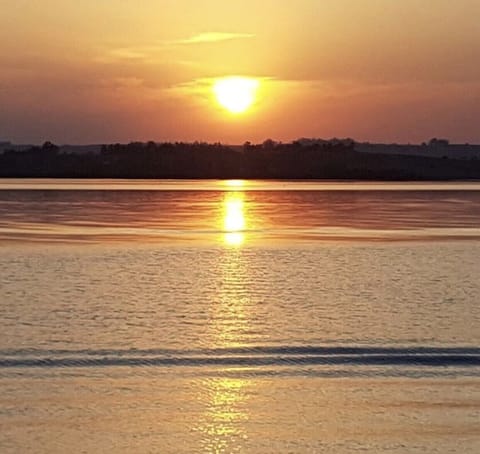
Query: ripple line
[[439, 360]]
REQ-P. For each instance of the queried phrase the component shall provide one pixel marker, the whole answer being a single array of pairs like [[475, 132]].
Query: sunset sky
[[95, 71]]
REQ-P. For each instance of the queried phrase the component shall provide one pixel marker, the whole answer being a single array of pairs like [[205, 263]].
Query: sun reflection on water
[[234, 239], [235, 184], [234, 219], [226, 397], [223, 423]]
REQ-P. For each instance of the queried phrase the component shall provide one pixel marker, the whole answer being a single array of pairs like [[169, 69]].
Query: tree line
[[268, 160]]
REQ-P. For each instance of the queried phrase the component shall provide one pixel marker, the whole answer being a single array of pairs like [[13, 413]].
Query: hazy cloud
[[149, 53], [214, 37], [203, 85], [129, 54]]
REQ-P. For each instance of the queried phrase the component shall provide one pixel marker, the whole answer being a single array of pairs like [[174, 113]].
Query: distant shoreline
[[323, 161], [286, 180]]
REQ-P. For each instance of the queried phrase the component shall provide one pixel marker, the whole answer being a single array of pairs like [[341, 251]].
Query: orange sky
[[96, 71]]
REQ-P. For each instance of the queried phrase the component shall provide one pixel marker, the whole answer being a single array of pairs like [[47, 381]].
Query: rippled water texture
[[222, 317]]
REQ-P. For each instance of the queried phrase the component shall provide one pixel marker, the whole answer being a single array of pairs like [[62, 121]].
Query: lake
[[239, 316]]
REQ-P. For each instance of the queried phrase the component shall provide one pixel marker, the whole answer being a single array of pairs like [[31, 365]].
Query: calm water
[[224, 317]]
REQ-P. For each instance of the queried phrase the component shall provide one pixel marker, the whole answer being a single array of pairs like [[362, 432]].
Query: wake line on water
[[432, 361], [245, 357], [257, 349]]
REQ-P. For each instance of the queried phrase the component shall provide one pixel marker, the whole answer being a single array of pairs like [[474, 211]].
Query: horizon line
[[440, 141]]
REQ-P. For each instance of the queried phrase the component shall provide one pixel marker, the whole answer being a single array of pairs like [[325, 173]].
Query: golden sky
[[95, 71]]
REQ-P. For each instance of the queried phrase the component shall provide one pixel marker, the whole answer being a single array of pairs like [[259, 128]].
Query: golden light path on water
[[222, 424], [234, 216], [225, 399]]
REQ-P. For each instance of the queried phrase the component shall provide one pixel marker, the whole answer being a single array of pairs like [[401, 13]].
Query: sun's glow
[[236, 94]]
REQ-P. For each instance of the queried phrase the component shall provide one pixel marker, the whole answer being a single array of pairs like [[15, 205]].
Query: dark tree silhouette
[[336, 159]]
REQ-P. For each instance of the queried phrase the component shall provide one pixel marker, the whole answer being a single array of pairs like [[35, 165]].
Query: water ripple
[[249, 357]]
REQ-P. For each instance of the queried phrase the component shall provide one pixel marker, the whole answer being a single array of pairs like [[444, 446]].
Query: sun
[[236, 94]]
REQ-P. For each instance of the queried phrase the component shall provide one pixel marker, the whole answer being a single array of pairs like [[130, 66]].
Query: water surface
[[211, 212], [239, 317]]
